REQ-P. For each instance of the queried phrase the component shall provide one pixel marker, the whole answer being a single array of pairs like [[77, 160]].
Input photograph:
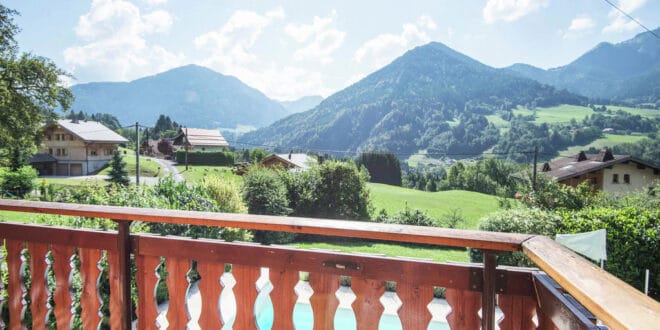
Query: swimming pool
[[344, 319]]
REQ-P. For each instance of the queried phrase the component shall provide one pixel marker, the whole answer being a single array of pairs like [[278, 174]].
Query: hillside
[[471, 205], [405, 106], [628, 71], [191, 95]]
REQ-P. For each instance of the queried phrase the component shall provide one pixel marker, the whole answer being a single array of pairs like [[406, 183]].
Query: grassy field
[[472, 205], [608, 140], [559, 114], [148, 167], [196, 174], [651, 113], [17, 216], [390, 250], [71, 182]]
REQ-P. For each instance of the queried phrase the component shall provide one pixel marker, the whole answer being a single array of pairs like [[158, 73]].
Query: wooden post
[[137, 154], [124, 255], [488, 293]]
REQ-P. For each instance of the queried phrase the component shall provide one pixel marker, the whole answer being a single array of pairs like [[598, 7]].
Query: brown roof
[[200, 137], [302, 161], [568, 167]]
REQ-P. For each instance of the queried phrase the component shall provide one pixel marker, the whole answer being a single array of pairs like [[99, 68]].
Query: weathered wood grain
[[246, 293], [38, 288], [90, 300], [324, 301], [367, 306], [518, 312], [283, 296], [465, 307], [177, 286], [62, 296], [414, 312], [147, 279], [210, 289]]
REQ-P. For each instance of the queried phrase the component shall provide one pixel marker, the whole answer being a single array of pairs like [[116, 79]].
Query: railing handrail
[[611, 300], [327, 227]]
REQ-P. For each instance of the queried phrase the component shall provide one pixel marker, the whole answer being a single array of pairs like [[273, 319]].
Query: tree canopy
[[30, 91]]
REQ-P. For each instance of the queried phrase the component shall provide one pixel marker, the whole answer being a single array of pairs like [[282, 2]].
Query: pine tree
[[118, 173]]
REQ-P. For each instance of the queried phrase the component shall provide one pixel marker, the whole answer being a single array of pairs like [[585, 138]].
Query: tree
[[165, 147], [30, 92], [118, 173], [383, 167]]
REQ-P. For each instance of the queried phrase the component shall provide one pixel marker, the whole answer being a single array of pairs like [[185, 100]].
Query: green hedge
[[633, 241], [214, 158]]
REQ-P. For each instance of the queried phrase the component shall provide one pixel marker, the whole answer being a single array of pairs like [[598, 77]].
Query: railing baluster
[[488, 293], [38, 288], [116, 304], [147, 278], [367, 306], [90, 300], [518, 312], [324, 301], [62, 296], [414, 312], [465, 307], [177, 285], [283, 296], [3, 325], [545, 323], [15, 286], [246, 293], [210, 290]]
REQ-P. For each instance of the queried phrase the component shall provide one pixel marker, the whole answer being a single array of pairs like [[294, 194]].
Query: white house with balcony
[[75, 147]]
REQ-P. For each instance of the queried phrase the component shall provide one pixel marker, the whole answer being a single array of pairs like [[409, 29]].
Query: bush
[[524, 221], [342, 191], [407, 216], [633, 241], [211, 158], [265, 193], [18, 182]]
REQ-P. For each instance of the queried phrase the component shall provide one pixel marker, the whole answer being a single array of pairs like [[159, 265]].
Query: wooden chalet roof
[[302, 161], [582, 163], [90, 131], [200, 137]]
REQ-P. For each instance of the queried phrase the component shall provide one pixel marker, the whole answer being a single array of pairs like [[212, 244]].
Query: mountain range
[[406, 104], [191, 95], [628, 71]]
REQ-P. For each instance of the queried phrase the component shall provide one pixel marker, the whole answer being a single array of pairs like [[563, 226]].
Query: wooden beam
[[614, 302], [359, 229]]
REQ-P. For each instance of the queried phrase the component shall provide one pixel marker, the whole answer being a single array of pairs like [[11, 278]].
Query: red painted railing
[[522, 295]]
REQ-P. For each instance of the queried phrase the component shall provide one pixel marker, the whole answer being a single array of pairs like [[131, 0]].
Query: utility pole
[[137, 153], [186, 146], [536, 157]]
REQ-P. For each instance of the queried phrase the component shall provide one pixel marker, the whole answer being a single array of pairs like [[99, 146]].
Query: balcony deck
[[555, 295]]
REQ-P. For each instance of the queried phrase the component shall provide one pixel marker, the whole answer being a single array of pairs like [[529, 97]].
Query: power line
[[632, 18]]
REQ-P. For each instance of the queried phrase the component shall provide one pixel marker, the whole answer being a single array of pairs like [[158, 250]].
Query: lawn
[[559, 114], [472, 205], [608, 140], [17, 216], [197, 173], [650, 113], [148, 167], [391, 250]]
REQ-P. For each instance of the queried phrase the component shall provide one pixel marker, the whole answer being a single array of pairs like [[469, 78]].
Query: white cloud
[[231, 44], [510, 10], [155, 2], [114, 44], [580, 26], [385, 47], [231, 52], [320, 38], [618, 21]]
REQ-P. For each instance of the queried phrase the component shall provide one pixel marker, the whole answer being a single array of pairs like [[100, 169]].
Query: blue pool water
[[344, 319]]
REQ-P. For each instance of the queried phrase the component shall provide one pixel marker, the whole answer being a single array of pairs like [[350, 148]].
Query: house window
[[48, 137], [57, 137], [203, 149], [93, 153], [626, 178], [593, 181], [61, 152], [50, 151], [615, 178]]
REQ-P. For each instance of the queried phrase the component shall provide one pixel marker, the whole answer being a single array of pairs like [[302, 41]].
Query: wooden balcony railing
[[528, 299]]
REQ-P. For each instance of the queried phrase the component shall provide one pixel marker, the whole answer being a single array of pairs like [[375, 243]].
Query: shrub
[[226, 194], [342, 191], [524, 221], [265, 193], [212, 158], [407, 216], [633, 241], [19, 182]]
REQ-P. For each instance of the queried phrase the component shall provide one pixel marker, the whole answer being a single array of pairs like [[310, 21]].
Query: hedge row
[[215, 158]]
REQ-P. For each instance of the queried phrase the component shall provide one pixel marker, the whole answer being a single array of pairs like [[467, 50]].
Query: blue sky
[[289, 49]]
